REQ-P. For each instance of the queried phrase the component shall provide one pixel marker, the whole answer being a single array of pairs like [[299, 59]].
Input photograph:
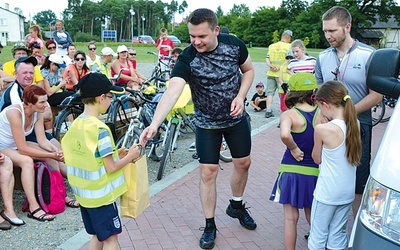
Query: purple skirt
[[295, 189]]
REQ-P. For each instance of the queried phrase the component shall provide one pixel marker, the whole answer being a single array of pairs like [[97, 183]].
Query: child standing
[[259, 99], [284, 77], [301, 62], [298, 172], [93, 166], [337, 148], [164, 46]]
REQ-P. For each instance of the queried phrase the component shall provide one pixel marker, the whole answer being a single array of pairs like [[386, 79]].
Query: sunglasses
[[132, 54], [80, 59], [92, 48], [335, 73], [52, 47]]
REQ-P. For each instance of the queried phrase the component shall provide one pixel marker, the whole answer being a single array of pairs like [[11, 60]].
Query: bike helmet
[[20, 46]]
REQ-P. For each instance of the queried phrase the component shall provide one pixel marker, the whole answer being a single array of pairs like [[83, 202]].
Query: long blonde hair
[[335, 93]]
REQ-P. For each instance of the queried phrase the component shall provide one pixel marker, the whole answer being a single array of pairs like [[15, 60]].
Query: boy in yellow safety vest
[[94, 168]]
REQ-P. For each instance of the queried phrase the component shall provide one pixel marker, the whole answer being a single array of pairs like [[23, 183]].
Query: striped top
[[307, 65]]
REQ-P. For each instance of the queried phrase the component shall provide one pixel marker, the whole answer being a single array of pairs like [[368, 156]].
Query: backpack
[[50, 189]]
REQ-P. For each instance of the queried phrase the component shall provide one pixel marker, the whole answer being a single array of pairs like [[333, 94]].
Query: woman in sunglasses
[[74, 72], [51, 47], [91, 58], [53, 81]]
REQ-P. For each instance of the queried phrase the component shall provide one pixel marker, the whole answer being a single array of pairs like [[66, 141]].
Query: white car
[[174, 39], [377, 224]]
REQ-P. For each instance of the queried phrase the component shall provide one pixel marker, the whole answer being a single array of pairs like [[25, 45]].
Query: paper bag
[[137, 198]]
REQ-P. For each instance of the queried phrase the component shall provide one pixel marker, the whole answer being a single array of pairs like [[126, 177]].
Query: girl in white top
[[337, 148]]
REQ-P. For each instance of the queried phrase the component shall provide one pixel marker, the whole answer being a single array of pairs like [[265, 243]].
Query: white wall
[[11, 25]]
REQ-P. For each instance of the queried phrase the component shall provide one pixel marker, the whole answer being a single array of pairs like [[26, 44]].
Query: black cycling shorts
[[208, 142]]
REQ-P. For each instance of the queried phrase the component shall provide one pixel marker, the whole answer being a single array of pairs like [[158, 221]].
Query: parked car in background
[[135, 39], [146, 39], [377, 224], [174, 39]]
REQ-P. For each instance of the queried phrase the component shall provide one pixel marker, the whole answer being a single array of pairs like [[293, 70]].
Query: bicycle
[[158, 73], [382, 111], [176, 119], [141, 120]]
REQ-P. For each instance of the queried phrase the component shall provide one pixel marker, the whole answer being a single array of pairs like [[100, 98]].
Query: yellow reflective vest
[[87, 175]]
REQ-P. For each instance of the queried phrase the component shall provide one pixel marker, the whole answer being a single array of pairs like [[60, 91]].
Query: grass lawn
[[257, 54]]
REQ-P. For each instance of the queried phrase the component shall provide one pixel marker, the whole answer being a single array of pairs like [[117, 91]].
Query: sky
[[33, 7]]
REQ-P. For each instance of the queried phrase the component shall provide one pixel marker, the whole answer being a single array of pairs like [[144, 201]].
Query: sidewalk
[[174, 216]]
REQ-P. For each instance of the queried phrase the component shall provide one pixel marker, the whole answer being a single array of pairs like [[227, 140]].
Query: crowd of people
[[320, 107]]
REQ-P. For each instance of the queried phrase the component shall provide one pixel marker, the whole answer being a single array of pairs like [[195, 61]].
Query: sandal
[[72, 203], [41, 217]]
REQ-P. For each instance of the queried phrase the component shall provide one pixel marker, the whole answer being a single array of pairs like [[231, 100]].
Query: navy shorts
[[208, 142], [32, 137], [102, 221], [363, 170]]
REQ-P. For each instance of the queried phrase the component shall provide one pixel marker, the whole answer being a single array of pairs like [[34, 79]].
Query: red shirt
[[165, 44]]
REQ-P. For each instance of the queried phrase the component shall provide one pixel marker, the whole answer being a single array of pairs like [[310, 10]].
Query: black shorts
[[363, 169], [102, 221], [208, 142], [32, 137]]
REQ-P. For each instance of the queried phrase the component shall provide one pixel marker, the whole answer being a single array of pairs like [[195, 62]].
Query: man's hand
[[237, 106], [147, 134]]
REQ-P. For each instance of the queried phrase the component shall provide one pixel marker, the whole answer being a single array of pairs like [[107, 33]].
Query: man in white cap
[[275, 59], [103, 65]]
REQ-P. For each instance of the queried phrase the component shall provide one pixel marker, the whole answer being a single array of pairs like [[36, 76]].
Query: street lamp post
[[143, 19], [132, 14]]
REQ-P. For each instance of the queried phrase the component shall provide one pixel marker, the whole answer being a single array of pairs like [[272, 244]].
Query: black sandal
[[72, 203], [41, 217]]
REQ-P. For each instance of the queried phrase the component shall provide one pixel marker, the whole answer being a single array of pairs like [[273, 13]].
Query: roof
[[370, 34], [391, 23]]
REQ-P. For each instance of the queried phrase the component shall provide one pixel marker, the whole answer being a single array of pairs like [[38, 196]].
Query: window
[[3, 22]]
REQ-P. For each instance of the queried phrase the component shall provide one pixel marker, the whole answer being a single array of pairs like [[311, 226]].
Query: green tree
[[315, 38], [45, 19]]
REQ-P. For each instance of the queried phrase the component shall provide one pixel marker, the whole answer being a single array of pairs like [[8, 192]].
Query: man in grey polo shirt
[[347, 61]]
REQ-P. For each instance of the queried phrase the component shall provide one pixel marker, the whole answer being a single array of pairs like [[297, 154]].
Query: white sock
[[237, 198]]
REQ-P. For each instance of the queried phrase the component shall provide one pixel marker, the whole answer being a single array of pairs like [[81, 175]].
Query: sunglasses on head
[[315, 98], [80, 59], [335, 73]]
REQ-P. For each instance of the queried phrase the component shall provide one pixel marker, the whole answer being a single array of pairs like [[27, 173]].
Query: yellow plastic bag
[[137, 198]]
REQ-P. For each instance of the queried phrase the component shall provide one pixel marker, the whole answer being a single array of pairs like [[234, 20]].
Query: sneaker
[[243, 216], [192, 147], [195, 155], [255, 110], [269, 114], [207, 240]]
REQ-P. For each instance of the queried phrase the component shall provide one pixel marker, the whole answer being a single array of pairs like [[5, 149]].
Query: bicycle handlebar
[[140, 95]]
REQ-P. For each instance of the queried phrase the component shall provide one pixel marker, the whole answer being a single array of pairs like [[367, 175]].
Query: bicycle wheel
[[132, 138], [390, 103], [225, 153], [167, 150], [377, 112], [63, 121], [161, 78], [120, 115]]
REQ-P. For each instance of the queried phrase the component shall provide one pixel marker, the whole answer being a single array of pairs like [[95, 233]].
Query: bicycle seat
[[71, 100]]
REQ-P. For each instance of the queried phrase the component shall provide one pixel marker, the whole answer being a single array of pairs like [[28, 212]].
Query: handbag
[[137, 198]]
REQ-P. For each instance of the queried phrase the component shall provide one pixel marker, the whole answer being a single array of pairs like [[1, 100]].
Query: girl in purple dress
[[298, 172]]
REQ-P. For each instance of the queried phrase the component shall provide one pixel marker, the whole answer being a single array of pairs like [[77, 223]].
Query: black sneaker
[[208, 237], [243, 216]]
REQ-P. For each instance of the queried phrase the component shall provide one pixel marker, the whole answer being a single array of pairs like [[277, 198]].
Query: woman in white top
[[337, 150], [91, 57], [16, 122]]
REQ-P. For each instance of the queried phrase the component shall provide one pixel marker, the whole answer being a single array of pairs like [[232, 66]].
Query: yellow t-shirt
[[9, 68]]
